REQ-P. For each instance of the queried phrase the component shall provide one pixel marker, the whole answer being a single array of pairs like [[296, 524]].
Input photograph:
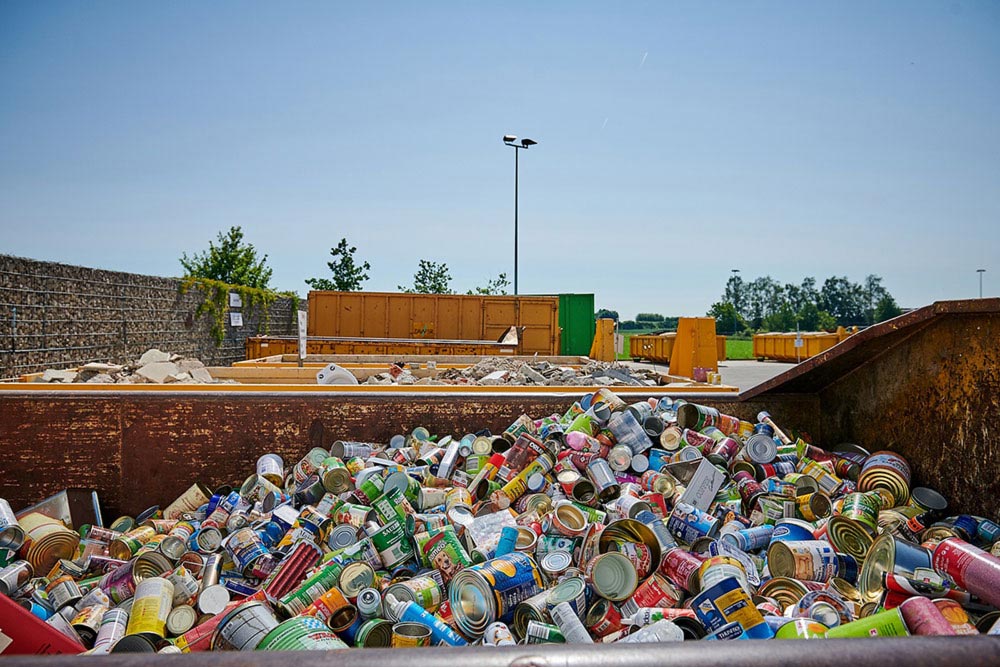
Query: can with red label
[[970, 567]]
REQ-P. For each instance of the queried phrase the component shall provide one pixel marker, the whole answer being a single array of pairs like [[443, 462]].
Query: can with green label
[[887, 623]]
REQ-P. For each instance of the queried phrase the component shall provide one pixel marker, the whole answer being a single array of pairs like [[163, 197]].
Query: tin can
[[970, 567], [750, 539], [392, 545], [14, 576], [300, 633], [922, 617], [882, 624], [181, 619], [196, 495], [63, 592], [681, 567], [760, 448], [827, 481], [603, 618], [113, 625], [893, 555], [245, 548], [153, 601], [374, 633], [716, 568], [355, 578], [603, 479], [499, 584], [537, 632], [687, 523], [410, 635], [725, 603], [271, 468], [886, 470], [426, 591], [812, 560], [369, 603], [801, 628], [11, 532], [572, 591]]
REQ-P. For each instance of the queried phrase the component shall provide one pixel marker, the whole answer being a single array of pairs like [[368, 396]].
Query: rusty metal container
[[438, 316], [923, 384]]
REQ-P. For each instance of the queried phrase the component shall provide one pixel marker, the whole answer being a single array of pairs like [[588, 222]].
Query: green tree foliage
[[764, 304], [886, 309], [348, 276], [231, 261], [653, 318], [497, 286], [430, 278], [604, 313], [727, 319]]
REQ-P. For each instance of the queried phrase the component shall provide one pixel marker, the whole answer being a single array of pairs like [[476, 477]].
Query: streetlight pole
[[735, 273], [980, 272], [509, 140]]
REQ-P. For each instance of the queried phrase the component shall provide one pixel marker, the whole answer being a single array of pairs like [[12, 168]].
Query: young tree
[[727, 320], [736, 294], [347, 275], [494, 287], [430, 278], [232, 261]]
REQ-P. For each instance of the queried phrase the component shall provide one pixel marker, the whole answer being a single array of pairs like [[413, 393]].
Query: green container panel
[[576, 319]]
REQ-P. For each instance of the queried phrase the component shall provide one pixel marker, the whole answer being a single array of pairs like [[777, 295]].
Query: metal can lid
[[342, 536], [181, 619], [556, 562], [536, 482], [213, 599]]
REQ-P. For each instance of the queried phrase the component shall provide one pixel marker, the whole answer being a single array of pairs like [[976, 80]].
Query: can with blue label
[[687, 523], [486, 593], [726, 602], [788, 530]]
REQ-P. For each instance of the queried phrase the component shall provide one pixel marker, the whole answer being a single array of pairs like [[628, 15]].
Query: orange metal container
[[781, 346], [657, 348], [439, 316]]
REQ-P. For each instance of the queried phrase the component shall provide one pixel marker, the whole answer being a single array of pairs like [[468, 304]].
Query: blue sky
[[676, 140]]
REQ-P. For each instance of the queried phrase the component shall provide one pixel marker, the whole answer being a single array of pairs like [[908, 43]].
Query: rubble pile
[[153, 367], [495, 371]]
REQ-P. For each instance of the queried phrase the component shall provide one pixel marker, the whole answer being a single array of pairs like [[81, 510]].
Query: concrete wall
[[61, 316]]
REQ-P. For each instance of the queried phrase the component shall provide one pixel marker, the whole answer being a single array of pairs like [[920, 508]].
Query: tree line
[[764, 304], [232, 260]]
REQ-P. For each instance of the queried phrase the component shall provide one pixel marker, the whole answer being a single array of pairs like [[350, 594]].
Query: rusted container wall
[[442, 316], [936, 400], [143, 449]]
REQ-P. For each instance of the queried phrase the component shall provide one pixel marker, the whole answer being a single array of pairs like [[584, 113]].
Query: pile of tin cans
[[660, 520]]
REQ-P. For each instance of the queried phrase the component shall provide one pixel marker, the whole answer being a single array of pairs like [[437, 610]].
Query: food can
[[801, 628], [543, 633], [571, 590], [243, 628], [181, 619], [749, 539], [301, 633], [970, 567], [893, 555], [11, 533], [271, 468], [725, 603], [681, 567], [245, 548], [887, 623], [716, 568], [153, 601], [374, 633], [426, 591], [922, 617], [14, 576], [603, 618], [113, 625], [196, 495], [410, 635], [812, 560], [46, 541], [605, 484], [355, 578], [485, 593], [688, 523], [886, 470], [787, 530]]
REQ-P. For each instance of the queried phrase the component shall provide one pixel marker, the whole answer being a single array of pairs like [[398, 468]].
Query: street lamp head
[[528, 142], [509, 138]]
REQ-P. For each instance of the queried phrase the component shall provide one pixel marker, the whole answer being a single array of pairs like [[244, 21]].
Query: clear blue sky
[[676, 140]]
